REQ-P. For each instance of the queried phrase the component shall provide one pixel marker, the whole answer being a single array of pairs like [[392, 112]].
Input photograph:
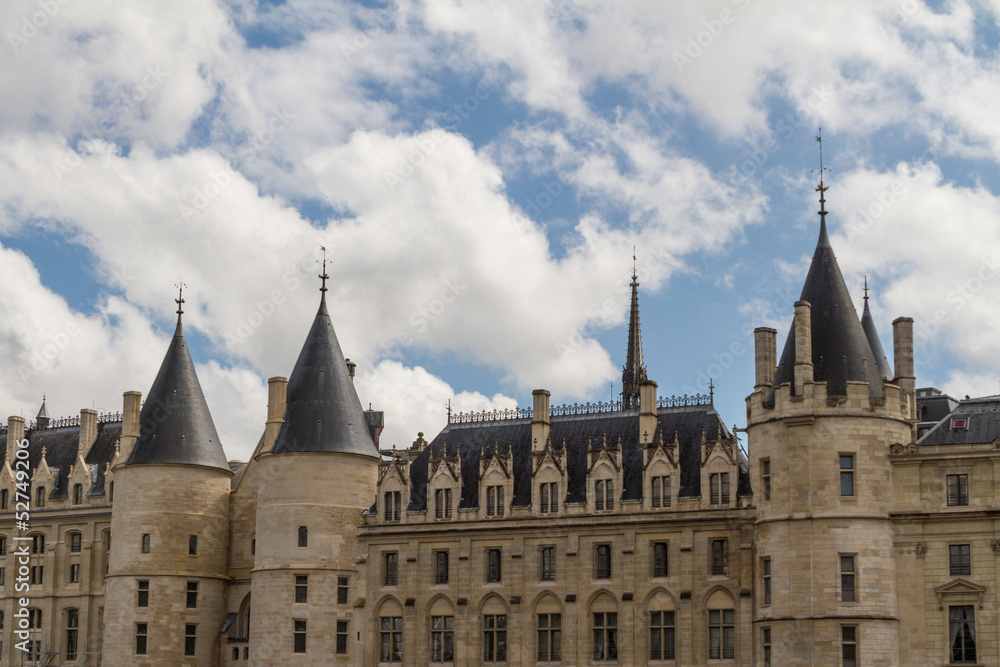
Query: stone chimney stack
[[131, 406], [647, 411], [803, 346], [541, 421], [88, 431], [277, 394], [15, 433], [765, 342], [902, 352]]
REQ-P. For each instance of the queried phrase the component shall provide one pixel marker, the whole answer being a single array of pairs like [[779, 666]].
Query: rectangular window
[[549, 637], [142, 597], [303, 536], [190, 639], [719, 483], [493, 566], [4, 499], [495, 638], [962, 633], [958, 490], [765, 645], [765, 478], [193, 545], [604, 495], [301, 588], [298, 636], [661, 491], [605, 631], [389, 569], [602, 561], [442, 504], [40, 497], [721, 634], [849, 645], [192, 595], [660, 559], [960, 559], [847, 474], [75, 542], [661, 635], [78, 494], [74, 573], [548, 563], [72, 630], [140, 638], [495, 501], [765, 575], [145, 543], [341, 637], [3, 545], [342, 590], [37, 575], [720, 557], [549, 495], [391, 639], [440, 567], [3, 576], [37, 544], [442, 639], [847, 573], [391, 509]]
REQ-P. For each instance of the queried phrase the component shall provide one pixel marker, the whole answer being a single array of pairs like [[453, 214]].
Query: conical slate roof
[[323, 413], [175, 425], [840, 348], [871, 333]]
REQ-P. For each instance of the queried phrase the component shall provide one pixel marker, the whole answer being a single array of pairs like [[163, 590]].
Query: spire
[[840, 349], [871, 333], [323, 412], [180, 306], [42, 418], [177, 426], [634, 371]]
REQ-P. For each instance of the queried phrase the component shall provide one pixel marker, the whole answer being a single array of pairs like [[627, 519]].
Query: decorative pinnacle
[[635, 275], [179, 300], [711, 390], [866, 288], [821, 189], [323, 275]]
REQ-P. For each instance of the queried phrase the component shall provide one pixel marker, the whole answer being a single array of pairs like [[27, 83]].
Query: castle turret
[[819, 437], [319, 477], [170, 527]]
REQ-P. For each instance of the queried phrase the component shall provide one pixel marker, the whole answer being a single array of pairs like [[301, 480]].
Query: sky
[[479, 174]]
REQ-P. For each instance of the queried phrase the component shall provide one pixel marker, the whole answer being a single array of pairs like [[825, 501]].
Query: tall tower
[[318, 478], [634, 372], [820, 426], [170, 527]]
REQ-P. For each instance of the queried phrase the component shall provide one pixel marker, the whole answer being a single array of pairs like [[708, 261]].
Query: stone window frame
[[849, 643], [853, 573]]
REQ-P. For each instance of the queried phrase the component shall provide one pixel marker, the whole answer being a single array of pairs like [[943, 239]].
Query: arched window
[[661, 616], [72, 630], [721, 626], [494, 620], [604, 629], [442, 628], [243, 623], [548, 629], [390, 631]]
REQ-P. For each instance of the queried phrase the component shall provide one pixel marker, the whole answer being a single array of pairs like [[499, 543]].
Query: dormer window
[[391, 506], [959, 423], [442, 504], [604, 495]]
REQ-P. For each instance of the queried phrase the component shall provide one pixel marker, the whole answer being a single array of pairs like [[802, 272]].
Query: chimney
[[765, 341], [277, 393], [350, 368], [803, 372], [131, 405], [647, 411], [88, 431], [902, 352], [15, 433], [540, 420]]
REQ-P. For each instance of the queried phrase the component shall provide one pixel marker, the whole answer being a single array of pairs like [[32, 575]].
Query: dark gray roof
[[871, 334], [935, 407], [982, 417], [839, 346], [323, 413], [175, 423], [576, 433]]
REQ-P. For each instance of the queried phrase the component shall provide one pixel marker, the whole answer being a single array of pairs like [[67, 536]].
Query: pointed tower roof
[[840, 349], [323, 412], [871, 333], [43, 412], [176, 426], [634, 371]]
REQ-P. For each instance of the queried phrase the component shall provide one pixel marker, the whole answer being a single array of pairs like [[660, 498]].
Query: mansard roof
[[175, 423], [323, 412], [576, 433], [840, 349], [981, 424]]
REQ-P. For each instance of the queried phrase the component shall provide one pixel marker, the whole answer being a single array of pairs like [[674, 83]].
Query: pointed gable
[[323, 413], [175, 423]]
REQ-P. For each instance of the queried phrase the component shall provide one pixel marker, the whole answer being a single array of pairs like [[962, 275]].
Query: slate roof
[[323, 412], [982, 419], [575, 432], [871, 334], [840, 348], [175, 423], [935, 407]]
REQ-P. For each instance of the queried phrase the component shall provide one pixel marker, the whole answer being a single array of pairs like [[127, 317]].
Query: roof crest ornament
[[323, 276], [821, 189], [180, 302]]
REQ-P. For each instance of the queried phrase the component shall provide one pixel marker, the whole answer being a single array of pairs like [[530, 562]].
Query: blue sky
[[479, 173]]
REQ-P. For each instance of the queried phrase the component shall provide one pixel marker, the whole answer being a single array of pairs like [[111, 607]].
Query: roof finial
[[866, 288], [635, 275], [821, 189], [323, 275], [711, 391], [180, 302]]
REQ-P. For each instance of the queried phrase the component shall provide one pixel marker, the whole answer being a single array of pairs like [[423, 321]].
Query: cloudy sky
[[479, 173]]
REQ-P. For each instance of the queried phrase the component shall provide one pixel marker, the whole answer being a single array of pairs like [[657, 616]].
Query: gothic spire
[[634, 371], [871, 333]]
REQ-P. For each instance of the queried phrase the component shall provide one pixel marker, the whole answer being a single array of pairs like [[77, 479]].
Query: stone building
[[861, 528]]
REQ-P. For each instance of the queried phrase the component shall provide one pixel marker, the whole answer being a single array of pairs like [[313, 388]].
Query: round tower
[[820, 426], [164, 594], [316, 481]]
